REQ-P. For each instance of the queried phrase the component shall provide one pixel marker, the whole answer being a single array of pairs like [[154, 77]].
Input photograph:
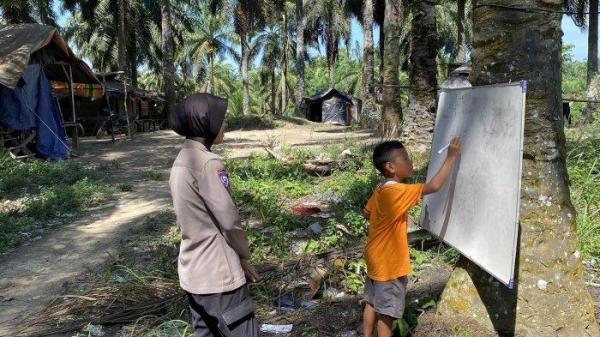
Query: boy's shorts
[[388, 297]]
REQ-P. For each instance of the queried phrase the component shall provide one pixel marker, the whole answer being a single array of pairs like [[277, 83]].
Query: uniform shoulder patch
[[223, 177]]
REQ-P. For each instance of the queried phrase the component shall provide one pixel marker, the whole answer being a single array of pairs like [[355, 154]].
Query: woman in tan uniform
[[213, 257]]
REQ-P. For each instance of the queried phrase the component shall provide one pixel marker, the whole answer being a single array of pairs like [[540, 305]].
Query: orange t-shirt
[[386, 251]]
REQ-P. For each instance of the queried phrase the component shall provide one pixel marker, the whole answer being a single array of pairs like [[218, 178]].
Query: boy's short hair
[[382, 153]]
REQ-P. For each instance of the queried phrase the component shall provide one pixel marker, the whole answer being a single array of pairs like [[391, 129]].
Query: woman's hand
[[251, 274]]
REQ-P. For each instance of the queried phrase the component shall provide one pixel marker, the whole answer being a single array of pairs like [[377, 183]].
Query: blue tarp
[[31, 105]]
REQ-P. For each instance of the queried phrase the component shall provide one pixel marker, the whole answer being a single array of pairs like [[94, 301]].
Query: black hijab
[[199, 117]]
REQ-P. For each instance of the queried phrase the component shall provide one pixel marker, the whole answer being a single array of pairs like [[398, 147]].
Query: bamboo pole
[[126, 113], [75, 129]]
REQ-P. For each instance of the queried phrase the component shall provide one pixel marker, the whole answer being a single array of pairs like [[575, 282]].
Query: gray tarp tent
[[332, 105]]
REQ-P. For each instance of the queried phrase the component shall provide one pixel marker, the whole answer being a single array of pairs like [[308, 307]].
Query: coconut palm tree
[[272, 52], [208, 41], [167, 52], [419, 118], [592, 63], [249, 18], [300, 51], [528, 46], [368, 89], [28, 11], [93, 30], [461, 43], [392, 111], [328, 24]]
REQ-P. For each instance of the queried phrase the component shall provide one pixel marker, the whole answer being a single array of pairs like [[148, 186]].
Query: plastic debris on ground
[[331, 196], [94, 330], [309, 304], [306, 209], [118, 278], [333, 294], [316, 228], [346, 154], [276, 328], [324, 215], [286, 301], [349, 334]]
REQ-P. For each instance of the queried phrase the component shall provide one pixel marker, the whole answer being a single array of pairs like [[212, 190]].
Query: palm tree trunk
[[299, 54], [368, 54], [211, 78], [392, 111], [121, 37], [244, 73], [273, 93], [284, 44], [381, 53], [419, 118], [168, 52], [592, 63], [132, 54], [461, 56], [528, 46]]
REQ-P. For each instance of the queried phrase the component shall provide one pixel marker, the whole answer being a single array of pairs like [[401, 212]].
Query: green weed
[[45, 193], [583, 163], [153, 175]]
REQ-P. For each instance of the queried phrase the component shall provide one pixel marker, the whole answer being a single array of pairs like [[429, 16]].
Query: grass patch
[[583, 163], [41, 194], [153, 175], [252, 122]]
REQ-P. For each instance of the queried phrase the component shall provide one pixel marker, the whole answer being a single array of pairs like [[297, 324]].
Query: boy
[[386, 252]]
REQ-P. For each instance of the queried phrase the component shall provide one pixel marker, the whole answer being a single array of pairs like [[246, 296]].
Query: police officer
[[213, 257]]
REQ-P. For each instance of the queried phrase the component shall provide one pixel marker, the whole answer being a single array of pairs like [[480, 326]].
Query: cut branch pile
[[154, 298], [121, 303], [319, 166]]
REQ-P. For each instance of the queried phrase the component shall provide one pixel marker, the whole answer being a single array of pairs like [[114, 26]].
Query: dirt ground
[[57, 264], [40, 270]]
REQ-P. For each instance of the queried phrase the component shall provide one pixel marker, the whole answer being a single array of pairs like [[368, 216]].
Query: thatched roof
[[34, 43]]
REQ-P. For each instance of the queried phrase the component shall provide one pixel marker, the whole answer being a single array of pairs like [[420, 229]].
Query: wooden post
[[75, 129], [126, 113], [112, 127]]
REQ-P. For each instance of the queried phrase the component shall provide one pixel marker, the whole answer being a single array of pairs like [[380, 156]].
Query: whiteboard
[[477, 209]]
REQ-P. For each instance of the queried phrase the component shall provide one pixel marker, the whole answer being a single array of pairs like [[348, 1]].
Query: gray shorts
[[388, 297], [228, 314]]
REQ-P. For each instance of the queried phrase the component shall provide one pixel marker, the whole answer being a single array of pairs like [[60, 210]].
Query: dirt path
[[38, 271]]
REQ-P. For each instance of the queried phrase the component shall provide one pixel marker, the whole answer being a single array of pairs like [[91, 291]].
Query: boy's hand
[[454, 148], [251, 274], [441, 176]]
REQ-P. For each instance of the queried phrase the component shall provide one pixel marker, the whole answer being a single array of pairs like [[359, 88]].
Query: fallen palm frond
[[119, 303], [157, 299]]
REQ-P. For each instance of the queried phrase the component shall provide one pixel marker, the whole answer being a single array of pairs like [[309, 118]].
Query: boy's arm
[[367, 209], [441, 176]]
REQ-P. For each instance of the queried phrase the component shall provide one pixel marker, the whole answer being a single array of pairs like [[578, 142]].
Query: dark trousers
[[229, 314]]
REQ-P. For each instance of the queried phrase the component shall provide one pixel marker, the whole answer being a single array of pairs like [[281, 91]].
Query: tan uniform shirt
[[213, 241]]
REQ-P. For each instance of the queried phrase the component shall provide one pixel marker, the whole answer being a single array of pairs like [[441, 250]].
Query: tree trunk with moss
[[168, 54], [461, 41], [392, 110], [592, 64], [299, 55], [549, 297], [419, 118], [368, 91], [122, 37]]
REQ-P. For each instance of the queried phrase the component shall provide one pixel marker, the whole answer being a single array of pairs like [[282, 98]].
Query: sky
[[573, 35]]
